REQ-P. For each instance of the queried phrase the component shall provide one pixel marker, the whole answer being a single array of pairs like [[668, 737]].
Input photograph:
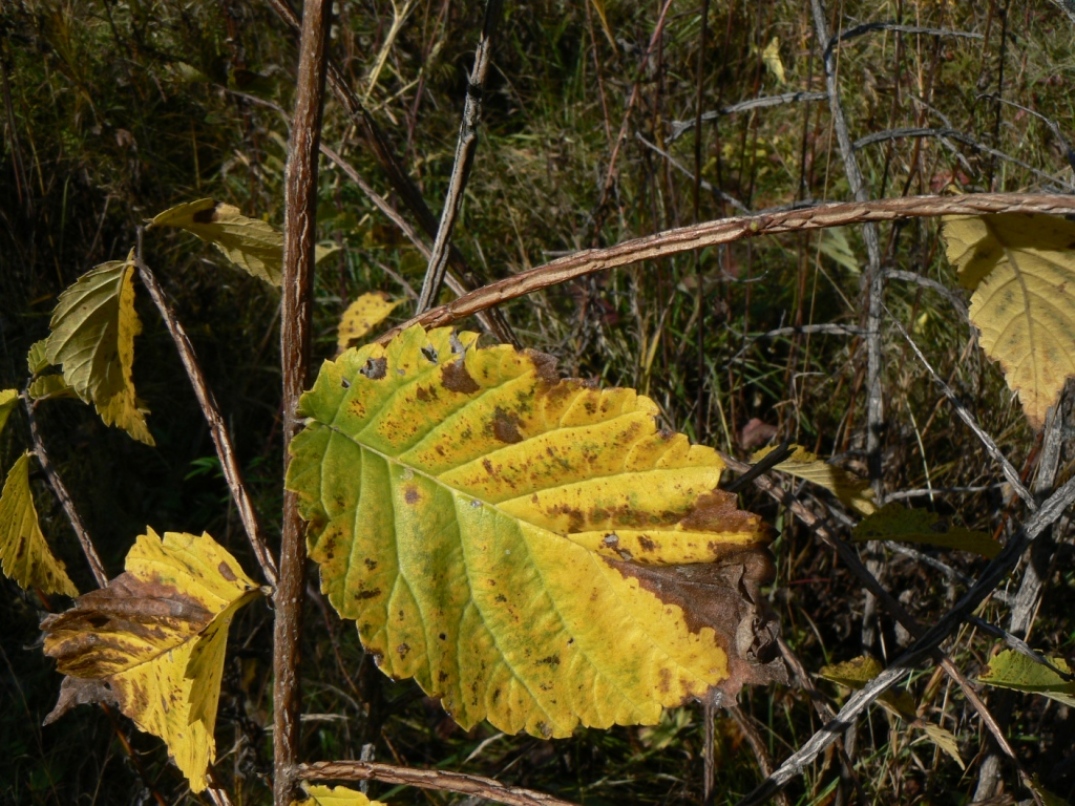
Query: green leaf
[[532, 550], [897, 522], [250, 243], [92, 337], [1014, 670], [1018, 267], [25, 556], [850, 489], [36, 359], [8, 399]]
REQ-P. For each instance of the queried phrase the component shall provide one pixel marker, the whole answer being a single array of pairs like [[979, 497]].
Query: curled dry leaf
[[92, 336], [153, 643], [25, 555], [1018, 267], [534, 551]]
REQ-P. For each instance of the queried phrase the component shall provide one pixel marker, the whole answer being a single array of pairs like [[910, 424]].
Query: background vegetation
[[114, 111]]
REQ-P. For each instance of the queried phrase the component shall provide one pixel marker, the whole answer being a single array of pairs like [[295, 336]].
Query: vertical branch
[[300, 219], [464, 158]]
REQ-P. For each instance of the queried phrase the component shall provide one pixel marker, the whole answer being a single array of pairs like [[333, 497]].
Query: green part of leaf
[[92, 338], [50, 387], [36, 359], [897, 522], [1014, 670], [25, 556], [8, 399], [490, 528]]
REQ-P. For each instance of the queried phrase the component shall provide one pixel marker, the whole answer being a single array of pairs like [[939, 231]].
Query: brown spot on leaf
[[506, 427], [370, 564], [411, 495], [375, 368], [646, 544], [226, 572], [362, 595], [402, 650], [717, 512], [455, 378], [206, 216], [442, 676]]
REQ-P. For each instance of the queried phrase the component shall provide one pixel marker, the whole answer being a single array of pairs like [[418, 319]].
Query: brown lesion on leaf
[[206, 216], [402, 650], [411, 494], [375, 368], [455, 378], [373, 594], [717, 511], [225, 571], [505, 426], [369, 563]]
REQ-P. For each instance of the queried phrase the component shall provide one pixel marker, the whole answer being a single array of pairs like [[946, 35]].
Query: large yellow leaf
[[334, 796], [1018, 267], [8, 399], [153, 642], [532, 550], [250, 243], [92, 336], [850, 489], [25, 556], [362, 315]]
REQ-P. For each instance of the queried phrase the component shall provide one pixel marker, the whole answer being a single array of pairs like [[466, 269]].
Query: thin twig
[[296, 307], [953, 298], [704, 185], [996, 571], [681, 127], [870, 27], [465, 147], [1006, 467], [728, 230], [64, 497], [442, 780], [218, 430]]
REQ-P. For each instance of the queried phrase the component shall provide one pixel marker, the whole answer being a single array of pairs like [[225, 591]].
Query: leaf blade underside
[[532, 550]]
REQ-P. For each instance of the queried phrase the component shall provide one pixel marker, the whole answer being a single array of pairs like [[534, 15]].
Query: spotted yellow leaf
[[25, 555], [334, 796], [8, 400], [1018, 267], [534, 551], [153, 642], [92, 337], [850, 489], [362, 315]]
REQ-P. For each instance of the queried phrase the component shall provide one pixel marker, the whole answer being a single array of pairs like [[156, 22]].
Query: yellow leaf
[[1018, 268], [92, 336], [771, 58], [8, 399], [534, 551], [153, 642], [334, 796], [250, 243], [945, 740], [1014, 670], [857, 672], [897, 522], [24, 554], [362, 315], [851, 490], [599, 7]]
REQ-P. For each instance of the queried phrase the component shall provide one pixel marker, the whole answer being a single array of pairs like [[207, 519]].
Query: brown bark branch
[[300, 221], [443, 780]]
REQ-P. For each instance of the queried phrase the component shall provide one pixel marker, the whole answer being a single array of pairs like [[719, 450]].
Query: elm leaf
[[153, 643], [25, 555], [1018, 267], [1014, 670], [92, 337], [534, 551]]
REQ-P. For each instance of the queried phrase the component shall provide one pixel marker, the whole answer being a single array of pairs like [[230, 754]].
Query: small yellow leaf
[[24, 554], [334, 796], [851, 490], [1014, 670], [153, 642], [534, 551], [362, 315], [49, 387], [771, 58], [92, 337], [36, 359], [857, 672], [8, 399], [897, 522], [1018, 267], [250, 243], [945, 740]]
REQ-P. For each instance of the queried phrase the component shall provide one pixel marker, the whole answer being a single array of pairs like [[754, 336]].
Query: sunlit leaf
[[857, 672], [92, 337], [834, 245], [1019, 268], [49, 387], [771, 58], [250, 243], [532, 550], [334, 796], [1014, 670], [9, 398], [36, 357], [850, 489], [25, 556], [945, 740], [362, 315], [897, 522], [153, 642]]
